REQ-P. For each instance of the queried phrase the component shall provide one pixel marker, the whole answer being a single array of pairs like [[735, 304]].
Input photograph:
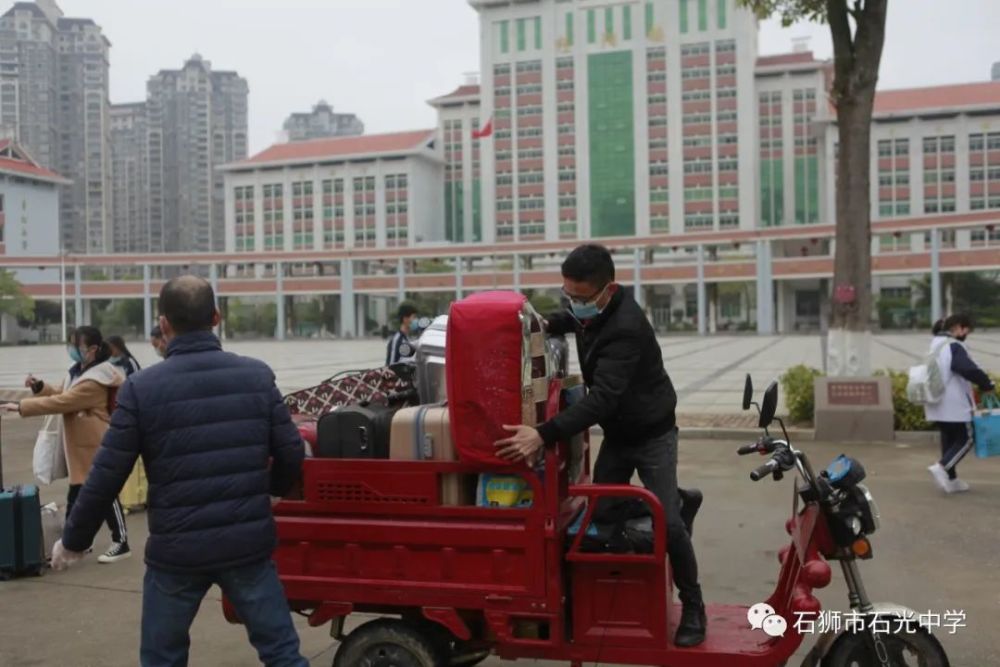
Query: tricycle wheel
[[906, 649], [388, 643]]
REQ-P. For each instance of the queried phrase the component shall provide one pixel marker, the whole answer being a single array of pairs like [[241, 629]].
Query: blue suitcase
[[22, 550]]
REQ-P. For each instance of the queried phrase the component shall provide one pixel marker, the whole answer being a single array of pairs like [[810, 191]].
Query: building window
[[684, 16], [721, 14], [522, 29], [591, 26], [504, 36], [702, 15], [627, 22]]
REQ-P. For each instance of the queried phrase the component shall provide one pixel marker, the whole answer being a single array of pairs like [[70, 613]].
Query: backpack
[[925, 385]]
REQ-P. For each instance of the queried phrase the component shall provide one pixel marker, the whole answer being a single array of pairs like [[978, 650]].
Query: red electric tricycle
[[439, 584]]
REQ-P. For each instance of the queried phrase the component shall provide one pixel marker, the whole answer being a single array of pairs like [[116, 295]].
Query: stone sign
[[854, 409]]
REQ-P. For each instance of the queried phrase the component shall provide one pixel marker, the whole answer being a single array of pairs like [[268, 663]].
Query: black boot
[[691, 630], [690, 503]]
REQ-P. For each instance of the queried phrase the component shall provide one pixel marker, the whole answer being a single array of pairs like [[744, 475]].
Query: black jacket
[[628, 391], [216, 440]]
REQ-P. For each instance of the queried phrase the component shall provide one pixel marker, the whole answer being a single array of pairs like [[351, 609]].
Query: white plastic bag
[[49, 457], [53, 521]]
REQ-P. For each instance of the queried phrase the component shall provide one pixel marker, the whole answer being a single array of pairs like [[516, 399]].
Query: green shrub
[[797, 387], [907, 416]]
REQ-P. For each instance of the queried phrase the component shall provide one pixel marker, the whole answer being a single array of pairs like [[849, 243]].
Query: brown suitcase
[[423, 433]]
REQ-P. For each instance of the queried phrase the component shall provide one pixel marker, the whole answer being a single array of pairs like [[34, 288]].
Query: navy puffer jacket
[[206, 423]]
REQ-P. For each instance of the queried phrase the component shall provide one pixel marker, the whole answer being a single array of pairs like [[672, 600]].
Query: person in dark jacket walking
[[953, 411], [632, 398], [218, 445]]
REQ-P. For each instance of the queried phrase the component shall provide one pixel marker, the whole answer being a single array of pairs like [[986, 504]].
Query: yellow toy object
[[504, 491]]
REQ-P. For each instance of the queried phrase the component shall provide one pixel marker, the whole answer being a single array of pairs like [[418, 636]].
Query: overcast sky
[[382, 59]]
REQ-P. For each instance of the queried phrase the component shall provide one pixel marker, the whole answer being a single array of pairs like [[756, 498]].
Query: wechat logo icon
[[761, 616]]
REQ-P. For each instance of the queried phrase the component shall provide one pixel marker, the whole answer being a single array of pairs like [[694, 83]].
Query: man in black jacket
[[630, 395], [218, 444]]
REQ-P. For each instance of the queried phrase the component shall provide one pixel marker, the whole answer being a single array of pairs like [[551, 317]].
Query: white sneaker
[[957, 486], [118, 551], [940, 476]]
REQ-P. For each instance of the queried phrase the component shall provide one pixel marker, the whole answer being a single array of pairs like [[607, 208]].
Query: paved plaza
[[707, 371], [933, 553]]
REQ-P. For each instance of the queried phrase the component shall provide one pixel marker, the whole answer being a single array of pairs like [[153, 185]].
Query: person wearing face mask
[[953, 411], [121, 357], [400, 348], [156, 340], [84, 400], [632, 398]]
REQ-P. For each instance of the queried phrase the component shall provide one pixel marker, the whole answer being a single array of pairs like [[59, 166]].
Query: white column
[[517, 273], [213, 279], [935, 274], [765, 289], [279, 289], [147, 303], [701, 291], [77, 296], [401, 280], [347, 312], [458, 279]]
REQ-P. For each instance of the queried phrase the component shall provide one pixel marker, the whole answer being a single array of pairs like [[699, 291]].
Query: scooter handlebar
[[764, 470], [747, 449]]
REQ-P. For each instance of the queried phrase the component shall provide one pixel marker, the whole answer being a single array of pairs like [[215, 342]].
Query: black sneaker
[[118, 551], [690, 503], [691, 630]]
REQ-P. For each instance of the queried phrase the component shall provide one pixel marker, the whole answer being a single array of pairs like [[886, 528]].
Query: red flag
[[486, 131]]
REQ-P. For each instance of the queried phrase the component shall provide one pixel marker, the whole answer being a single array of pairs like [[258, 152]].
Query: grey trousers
[[656, 461]]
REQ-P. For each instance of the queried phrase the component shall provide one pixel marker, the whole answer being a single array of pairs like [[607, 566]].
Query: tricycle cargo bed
[[375, 532]]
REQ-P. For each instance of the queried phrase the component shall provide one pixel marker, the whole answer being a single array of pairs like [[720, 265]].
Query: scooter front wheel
[[905, 649]]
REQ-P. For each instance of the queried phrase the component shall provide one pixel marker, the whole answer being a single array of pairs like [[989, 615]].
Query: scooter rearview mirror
[[769, 405], [747, 393]]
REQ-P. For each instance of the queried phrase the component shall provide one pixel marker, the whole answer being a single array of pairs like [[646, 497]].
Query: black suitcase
[[355, 432], [21, 546]]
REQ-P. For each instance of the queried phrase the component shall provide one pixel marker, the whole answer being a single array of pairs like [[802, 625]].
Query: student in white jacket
[[953, 413]]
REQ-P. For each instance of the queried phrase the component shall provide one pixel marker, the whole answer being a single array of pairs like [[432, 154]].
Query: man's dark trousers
[[656, 461]]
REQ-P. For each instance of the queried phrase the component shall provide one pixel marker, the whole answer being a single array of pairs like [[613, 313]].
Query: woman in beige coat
[[84, 400]]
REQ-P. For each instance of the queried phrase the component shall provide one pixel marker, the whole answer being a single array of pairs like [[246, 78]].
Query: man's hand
[[62, 558], [522, 446], [9, 407], [30, 381]]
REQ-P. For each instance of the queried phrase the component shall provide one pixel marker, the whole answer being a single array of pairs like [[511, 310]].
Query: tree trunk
[[856, 62]]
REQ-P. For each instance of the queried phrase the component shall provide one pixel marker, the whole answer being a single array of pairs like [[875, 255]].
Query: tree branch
[[843, 46]]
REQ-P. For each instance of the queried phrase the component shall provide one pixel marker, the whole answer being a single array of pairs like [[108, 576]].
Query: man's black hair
[[188, 303], [590, 263], [405, 310], [938, 328], [958, 320]]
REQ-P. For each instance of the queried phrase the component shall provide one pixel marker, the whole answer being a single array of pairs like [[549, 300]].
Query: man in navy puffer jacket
[[218, 444]]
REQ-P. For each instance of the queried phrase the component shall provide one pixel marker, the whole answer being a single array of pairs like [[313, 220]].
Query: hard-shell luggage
[[133, 494], [498, 371], [355, 432], [21, 547], [423, 433]]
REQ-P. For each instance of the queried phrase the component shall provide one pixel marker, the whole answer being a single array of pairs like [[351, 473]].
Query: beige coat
[[84, 408]]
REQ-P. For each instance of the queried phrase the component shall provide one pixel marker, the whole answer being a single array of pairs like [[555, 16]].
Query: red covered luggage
[[497, 371]]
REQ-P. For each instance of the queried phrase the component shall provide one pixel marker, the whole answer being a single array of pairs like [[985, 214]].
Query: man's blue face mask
[[585, 309]]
